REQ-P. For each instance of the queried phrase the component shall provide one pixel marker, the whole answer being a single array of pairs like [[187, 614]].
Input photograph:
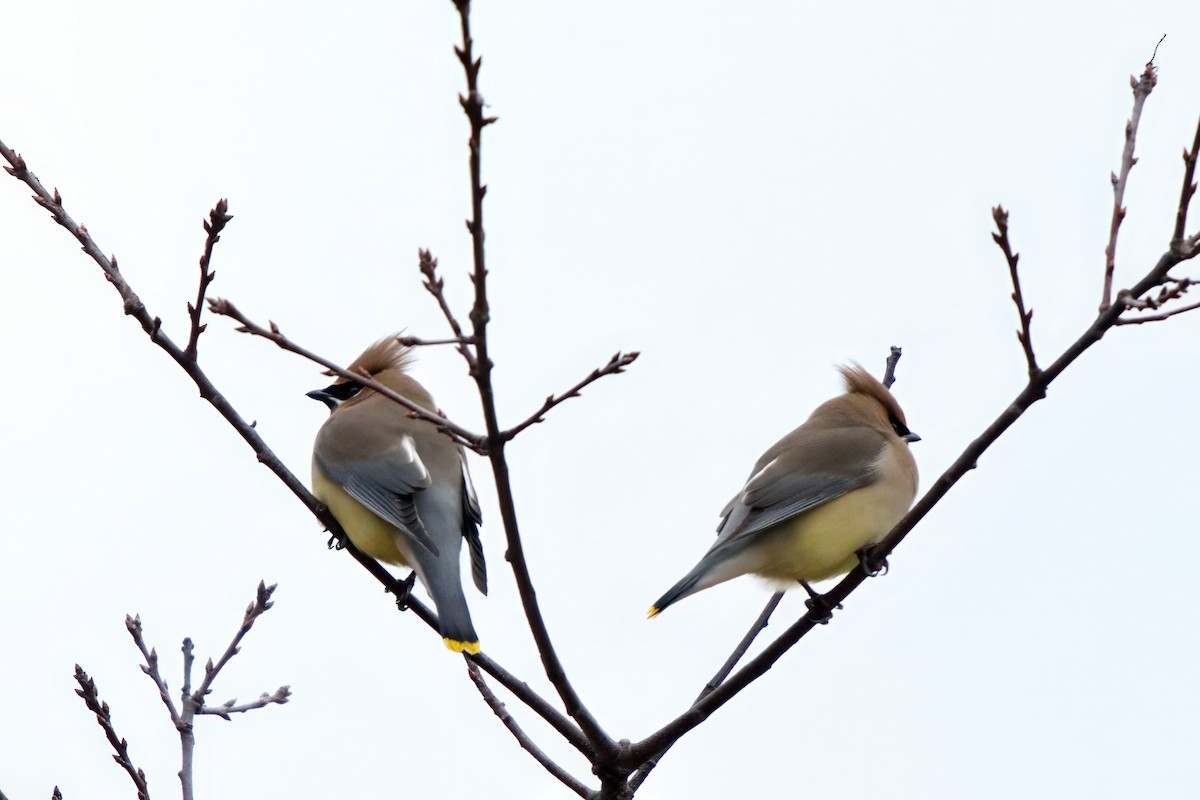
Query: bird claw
[[816, 603], [821, 610], [406, 587], [874, 567]]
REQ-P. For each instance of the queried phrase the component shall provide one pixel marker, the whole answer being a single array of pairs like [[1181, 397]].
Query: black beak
[[324, 396], [909, 437]]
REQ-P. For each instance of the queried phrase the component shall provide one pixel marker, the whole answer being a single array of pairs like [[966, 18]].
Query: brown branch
[[217, 220], [1157, 317], [604, 749], [1189, 186], [415, 341], [615, 365], [760, 625], [87, 690], [272, 333], [501, 711], [436, 286], [1141, 90], [1023, 335]]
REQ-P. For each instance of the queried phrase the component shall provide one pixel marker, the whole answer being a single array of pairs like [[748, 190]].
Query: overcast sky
[[750, 195]]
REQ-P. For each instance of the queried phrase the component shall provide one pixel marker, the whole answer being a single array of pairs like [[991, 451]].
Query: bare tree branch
[[1141, 90], [501, 711], [1189, 186], [217, 220], [615, 365], [416, 341], [889, 370], [272, 333], [603, 746], [1157, 317], [1023, 334], [87, 690], [262, 603], [150, 668], [436, 287], [760, 625]]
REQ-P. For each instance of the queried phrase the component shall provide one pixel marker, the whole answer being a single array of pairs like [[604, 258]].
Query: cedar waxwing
[[828, 489], [398, 486]]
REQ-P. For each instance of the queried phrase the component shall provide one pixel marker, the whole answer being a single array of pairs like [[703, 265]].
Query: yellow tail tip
[[653, 612], [462, 647]]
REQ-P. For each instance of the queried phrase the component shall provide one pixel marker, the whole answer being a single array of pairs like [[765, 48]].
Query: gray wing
[[806, 469], [472, 519], [386, 484]]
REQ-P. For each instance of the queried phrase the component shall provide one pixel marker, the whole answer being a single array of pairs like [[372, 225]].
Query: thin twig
[[603, 746], [150, 668], [1189, 186], [760, 625], [1141, 90], [1157, 317], [414, 341], [217, 220], [889, 370], [87, 690], [501, 711], [1023, 334], [261, 605], [436, 287], [278, 697], [615, 365], [272, 333], [538, 704]]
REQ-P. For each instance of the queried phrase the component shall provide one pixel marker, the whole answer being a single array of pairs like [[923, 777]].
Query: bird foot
[[873, 565], [405, 589], [818, 605]]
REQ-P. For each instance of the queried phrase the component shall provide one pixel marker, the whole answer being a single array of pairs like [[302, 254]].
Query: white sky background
[[749, 195]]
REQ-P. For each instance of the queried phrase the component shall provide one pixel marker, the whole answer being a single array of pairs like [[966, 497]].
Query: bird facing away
[[830, 488], [398, 487]]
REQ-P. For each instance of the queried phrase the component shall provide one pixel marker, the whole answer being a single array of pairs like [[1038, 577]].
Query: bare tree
[[619, 765]]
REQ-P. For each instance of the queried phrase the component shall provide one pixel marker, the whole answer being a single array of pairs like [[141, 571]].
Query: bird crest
[[387, 353], [859, 381]]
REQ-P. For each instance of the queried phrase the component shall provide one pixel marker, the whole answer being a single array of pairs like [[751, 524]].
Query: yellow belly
[[377, 538], [824, 542]]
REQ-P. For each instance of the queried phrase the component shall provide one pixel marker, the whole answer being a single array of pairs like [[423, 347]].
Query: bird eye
[[344, 391], [899, 427]]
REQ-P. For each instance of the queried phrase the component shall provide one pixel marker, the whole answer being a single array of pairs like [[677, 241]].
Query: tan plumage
[[831, 487], [398, 487]]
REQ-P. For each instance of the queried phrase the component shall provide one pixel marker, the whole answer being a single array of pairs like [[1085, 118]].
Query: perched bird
[[828, 489], [398, 486]]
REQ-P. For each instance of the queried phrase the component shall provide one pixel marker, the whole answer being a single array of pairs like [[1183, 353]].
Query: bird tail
[[686, 586], [718, 565], [454, 621], [454, 618]]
